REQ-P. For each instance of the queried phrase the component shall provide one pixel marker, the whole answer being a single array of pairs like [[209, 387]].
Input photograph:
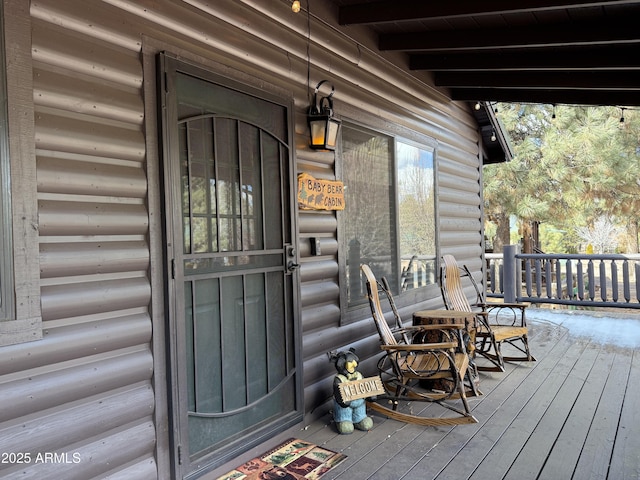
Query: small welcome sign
[[364, 388], [318, 194]]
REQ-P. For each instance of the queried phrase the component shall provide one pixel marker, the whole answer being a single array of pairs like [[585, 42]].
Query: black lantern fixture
[[323, 127]]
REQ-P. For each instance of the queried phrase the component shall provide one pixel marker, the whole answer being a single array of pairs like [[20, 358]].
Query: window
[[389, 220]]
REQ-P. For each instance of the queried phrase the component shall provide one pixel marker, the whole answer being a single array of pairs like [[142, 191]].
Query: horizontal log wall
[[85, 389], [95, 361]]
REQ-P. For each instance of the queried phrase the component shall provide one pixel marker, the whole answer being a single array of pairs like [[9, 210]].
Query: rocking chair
[[412, 370], [494, 326]]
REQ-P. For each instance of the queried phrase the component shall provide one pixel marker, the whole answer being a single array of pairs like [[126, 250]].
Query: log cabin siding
[[95, 362], [86, 387]]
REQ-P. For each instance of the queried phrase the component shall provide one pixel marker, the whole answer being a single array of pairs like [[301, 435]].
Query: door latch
[[291, 266]]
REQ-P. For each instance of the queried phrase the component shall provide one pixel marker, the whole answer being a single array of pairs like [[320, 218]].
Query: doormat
[[292, 460]]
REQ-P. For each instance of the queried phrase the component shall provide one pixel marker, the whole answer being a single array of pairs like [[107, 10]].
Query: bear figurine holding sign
[[348, 414]]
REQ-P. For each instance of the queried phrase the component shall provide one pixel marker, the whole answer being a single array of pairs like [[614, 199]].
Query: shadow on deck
[[573, 414]]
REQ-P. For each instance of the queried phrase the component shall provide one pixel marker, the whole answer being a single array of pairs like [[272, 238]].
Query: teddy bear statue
[[348, 414]]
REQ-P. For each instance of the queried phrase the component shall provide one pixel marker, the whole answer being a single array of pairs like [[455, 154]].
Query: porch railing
[[566, 279]]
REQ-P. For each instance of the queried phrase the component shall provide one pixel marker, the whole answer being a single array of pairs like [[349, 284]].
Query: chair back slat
[[452, 290], [386, 335]]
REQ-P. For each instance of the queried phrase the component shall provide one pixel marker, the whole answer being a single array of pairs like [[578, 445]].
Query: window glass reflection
[[416, 215]]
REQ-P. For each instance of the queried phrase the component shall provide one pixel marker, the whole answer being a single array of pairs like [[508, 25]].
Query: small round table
[[444, 317], [448, 317], [452, 317]]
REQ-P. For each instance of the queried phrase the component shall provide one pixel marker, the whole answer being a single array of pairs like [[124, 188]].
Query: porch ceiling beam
[[598, 57], [621, 30], [611, 80], [394, 11], [549, 96]]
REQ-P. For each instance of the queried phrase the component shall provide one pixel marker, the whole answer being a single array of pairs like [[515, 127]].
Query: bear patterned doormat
[[292, 460]]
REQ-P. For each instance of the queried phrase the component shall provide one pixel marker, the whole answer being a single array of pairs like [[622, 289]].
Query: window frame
[[7, 309], [397, 133], [23, 323]]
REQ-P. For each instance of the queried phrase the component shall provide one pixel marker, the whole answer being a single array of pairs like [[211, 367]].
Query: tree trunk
[[634, 242], [526, 232], [503, 233]]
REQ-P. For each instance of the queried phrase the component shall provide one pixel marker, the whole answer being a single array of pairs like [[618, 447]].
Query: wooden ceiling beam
[[595, 57], [610, 80], [394, 11], [613, 31], [558, 97]]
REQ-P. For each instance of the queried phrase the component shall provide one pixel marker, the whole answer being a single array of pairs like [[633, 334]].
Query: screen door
[[232, 265]]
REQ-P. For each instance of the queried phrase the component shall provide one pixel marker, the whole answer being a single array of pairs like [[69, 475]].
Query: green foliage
[[568, 171], [557, 240]]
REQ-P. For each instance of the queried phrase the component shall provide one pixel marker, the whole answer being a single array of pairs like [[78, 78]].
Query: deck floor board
[[573, 414], [598, 391], [625, 460], [532, 457], [499, 409], [597, 449], [528, 412]]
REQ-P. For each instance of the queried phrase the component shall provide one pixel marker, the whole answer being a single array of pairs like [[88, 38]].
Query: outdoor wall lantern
[[323, 127]]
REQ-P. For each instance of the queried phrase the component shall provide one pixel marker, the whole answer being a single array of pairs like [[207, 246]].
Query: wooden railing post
[[510, 273]]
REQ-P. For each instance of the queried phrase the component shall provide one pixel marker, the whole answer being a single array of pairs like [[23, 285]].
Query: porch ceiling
[[577, 52]]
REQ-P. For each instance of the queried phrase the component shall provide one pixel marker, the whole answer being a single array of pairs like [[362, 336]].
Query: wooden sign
[[365, 388], [318, 194]]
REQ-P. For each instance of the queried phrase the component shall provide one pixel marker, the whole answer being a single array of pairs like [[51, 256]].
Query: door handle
[[291, 266]]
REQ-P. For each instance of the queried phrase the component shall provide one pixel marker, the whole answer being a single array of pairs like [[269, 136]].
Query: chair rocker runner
[[415, 371], [494, 326]]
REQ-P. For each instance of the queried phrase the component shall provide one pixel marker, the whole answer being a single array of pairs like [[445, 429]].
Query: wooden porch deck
[[573, 414]]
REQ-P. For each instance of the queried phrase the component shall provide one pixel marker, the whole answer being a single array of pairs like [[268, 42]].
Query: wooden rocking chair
[[494, 327], [415, 371]]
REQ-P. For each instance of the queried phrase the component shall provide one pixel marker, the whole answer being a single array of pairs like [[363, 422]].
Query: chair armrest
[[435, 326], [482, 306], [512, 320], [509, 305], [420, 347]]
